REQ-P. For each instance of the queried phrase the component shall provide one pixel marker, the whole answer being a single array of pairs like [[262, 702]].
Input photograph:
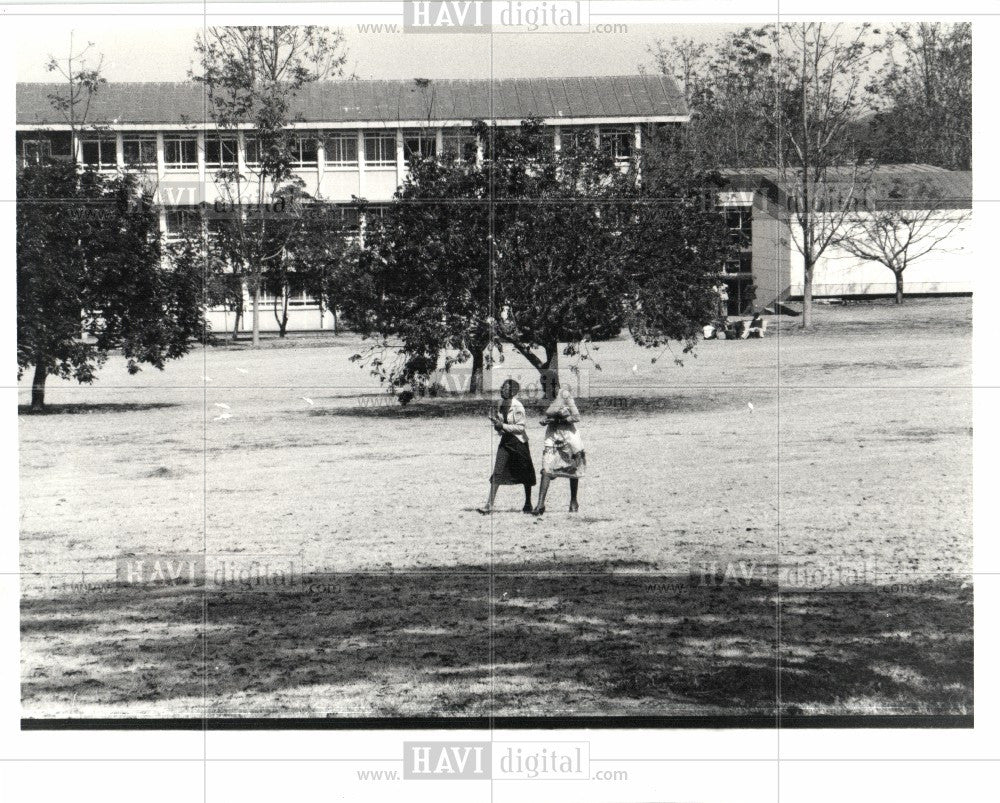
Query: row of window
[[340, 149], [335, 217]]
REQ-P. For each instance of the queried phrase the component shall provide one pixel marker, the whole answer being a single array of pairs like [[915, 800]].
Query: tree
[[90, 280], [323, 253], [537, 250], [819, 75], [423, 275], [251, 76], [726, 86], [82, 83], [923, 97], [912, 221]]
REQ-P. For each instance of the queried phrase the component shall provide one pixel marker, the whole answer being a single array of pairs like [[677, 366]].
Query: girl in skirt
[[563, 455], [513, 464]]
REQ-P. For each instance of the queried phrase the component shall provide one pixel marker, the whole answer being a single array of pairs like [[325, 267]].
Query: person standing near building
[[722, 302]]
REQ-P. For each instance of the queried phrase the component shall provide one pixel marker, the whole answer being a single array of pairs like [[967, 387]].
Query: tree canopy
[[90, 279], [535, 250]]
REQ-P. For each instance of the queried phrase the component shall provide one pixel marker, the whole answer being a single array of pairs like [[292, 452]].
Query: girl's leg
[[573, 486], [489, 502], [543, 489], [527, 499]]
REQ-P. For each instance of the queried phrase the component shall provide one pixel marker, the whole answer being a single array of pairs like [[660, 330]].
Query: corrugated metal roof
[[885, 184], [383, 101]]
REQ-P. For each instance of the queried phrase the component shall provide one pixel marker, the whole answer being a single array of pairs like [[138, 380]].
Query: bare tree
[[82, 82], [912, 221], [251, 76], [685, 60], [820, 72]]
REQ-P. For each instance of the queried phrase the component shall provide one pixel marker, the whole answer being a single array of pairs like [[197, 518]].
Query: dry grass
[[855, 456]]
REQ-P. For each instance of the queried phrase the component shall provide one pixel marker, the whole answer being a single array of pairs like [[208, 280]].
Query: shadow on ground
[[574, 638], [385, 406], [83, 408]]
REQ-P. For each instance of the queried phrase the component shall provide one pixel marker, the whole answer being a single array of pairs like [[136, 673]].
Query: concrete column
[[241, 153], [119, 151], [400, 158], [202, 189], [320, 161], [439, 142], [557, 138], [361, 163], [160, 160]]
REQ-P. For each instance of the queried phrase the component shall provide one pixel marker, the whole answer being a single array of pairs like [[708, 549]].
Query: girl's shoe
[[485, 510], [573, 506], [526, 508], [538, 511]]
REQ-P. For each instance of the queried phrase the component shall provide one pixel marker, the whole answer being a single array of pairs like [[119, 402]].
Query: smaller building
[[761, 209]]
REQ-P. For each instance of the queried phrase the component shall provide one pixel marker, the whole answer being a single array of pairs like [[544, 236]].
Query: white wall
[[950, 269]]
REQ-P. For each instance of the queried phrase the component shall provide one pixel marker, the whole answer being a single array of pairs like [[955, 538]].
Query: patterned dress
[[563, 455]]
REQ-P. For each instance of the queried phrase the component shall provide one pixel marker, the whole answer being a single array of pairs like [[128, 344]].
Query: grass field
[[833, 466]]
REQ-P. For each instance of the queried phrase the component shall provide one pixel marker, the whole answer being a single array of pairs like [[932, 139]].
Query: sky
[[157, 54]]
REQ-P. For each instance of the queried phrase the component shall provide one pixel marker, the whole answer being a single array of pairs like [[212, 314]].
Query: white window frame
[[610, 136], [43, 150], [222, 164], [387, 140], [455, 141], [427, 143], [175, 235], [142, 139], [295, 148], [107, 149], [333, 142], [168, 139]]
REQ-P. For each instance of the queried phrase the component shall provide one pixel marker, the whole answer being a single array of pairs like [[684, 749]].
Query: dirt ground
[[800, 503]]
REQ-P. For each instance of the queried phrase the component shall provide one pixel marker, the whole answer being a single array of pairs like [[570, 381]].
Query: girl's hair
[[512, 387]]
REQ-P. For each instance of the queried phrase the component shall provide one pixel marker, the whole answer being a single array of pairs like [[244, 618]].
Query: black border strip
[[527, 723]]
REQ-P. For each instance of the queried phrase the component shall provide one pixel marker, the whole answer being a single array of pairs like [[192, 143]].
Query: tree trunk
[[550, 371], [38, 386], [899, 287], [239, 316], [476, 379], [807, 296], [256, 313]]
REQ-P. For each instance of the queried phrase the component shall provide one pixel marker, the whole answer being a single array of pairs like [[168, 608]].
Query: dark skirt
[[513, 465]]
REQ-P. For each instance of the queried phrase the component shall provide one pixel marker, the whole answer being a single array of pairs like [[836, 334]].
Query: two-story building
[[350, 139], [354, 139]]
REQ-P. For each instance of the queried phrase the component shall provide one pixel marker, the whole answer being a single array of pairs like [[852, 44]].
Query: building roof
[[886, 185], [382, 101]]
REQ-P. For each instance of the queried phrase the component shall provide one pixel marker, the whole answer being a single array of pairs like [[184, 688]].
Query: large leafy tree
[[923, 96], [535, 250], [727, 85], [422, 278], [90, 278]]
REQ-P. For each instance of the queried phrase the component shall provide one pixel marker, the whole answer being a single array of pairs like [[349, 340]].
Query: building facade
[[350, 139], [354, 139]]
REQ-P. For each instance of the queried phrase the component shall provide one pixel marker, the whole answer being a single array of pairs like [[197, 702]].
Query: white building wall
[[950, 269]]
